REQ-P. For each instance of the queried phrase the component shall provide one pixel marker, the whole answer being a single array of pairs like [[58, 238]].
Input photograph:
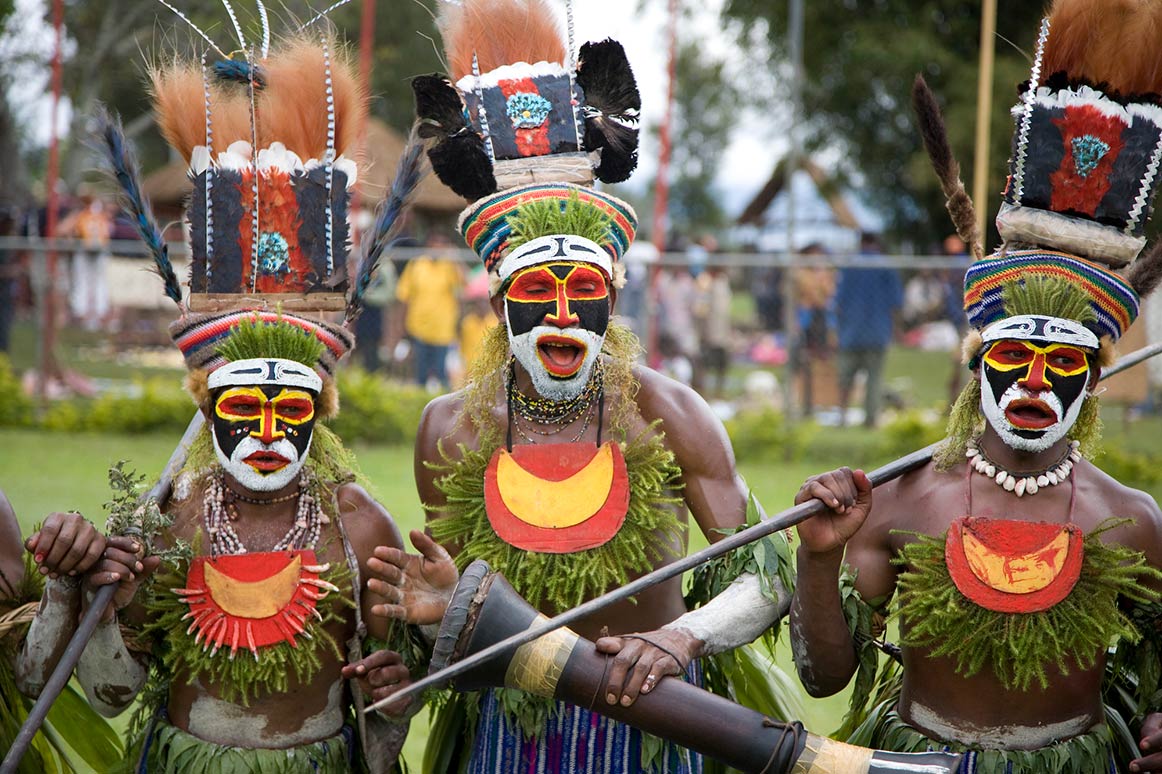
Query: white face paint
[[994, 412], [528, 349], [241, 463]]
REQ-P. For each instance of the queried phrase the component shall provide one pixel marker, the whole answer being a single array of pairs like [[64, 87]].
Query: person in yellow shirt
[[429, 290]]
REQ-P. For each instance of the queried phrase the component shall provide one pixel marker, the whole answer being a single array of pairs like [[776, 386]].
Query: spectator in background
[[429, 289], [88, 291], [712, 315], [814, 286], [369, 324], [866, 300], [677, 337], [476, 321], [9, 273], [954, 309]]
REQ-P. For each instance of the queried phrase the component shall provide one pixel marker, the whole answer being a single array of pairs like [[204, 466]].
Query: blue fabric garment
[[574, 740], [864, 302]]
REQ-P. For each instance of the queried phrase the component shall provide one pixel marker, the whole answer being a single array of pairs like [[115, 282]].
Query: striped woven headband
[[485, 227], [198, 337], [1114, 301]]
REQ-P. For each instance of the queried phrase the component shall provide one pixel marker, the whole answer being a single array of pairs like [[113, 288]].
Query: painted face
[[557, 314], [1031, 392], [262, 434]]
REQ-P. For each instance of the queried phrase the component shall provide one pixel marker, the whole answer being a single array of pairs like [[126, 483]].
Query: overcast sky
[[746, 165]]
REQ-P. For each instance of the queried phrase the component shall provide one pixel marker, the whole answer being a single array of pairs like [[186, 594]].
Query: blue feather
[[123, 166], [408, 174], [240, 71]]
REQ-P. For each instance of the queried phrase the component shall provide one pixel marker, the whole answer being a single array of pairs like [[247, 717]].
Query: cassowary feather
[[439, 107], [408, 175], [124, 168], [935, 136], [462, 163], [603, 72], [1145, 274]]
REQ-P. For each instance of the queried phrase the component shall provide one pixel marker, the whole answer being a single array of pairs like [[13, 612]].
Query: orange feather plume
[[1115, 42], [292, 108], [499, 32]]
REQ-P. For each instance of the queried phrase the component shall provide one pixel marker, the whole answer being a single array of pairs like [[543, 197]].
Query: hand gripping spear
[[780, 521], [104, 595]]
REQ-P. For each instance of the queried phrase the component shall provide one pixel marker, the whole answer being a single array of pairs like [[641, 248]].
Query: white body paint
[[108, 669], [994, 412], [524, 348], [1011, 737], [225, 723], [52, 625], [735, 617]]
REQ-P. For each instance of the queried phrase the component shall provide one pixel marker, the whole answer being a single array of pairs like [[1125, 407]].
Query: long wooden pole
[[984, 101], [780, 521]]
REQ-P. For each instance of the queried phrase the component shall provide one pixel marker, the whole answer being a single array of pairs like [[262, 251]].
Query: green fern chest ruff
[[1019, 597], [578, 547]]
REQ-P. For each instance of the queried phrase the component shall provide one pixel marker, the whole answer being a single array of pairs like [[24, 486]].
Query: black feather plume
[[611, 109], [123, 166], [462, 163], [439, 107], [935, 136], [408, 174], [1145, 274]]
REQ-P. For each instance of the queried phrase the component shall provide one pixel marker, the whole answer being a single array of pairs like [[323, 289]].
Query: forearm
[[48, 635], [821, 641], [735, 617], [109, 673]]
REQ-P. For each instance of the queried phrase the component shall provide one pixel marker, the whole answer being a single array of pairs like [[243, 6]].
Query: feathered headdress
[[518, 123], [269, 135], [1082, 175]]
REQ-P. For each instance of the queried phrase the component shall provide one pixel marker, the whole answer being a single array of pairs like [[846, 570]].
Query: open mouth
[[266, 461], [1030, 414], [562, 357]]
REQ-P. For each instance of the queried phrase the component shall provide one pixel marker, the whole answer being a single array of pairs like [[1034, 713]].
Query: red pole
[[48, 364], [662, 190], [366, 51]]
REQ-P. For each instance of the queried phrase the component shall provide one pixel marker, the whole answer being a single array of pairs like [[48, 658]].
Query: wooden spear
[[780, 521]]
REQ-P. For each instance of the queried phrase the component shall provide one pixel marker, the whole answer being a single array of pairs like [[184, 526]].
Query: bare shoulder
[[661, 397], [366, 521], [441, 421], [923, 500], [693, 432], [1107, 497], [11, 546]]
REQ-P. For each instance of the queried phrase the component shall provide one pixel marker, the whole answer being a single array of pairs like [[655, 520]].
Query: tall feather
[[123, 166], [408, 174], [1111, 42], [1145, 274], [612, 103], [499, 32], [935, 136]]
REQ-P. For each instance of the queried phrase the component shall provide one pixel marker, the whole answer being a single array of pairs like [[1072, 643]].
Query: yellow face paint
[[250, 404]]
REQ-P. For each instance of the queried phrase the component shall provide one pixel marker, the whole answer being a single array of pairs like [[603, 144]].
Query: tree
[[860, 57]]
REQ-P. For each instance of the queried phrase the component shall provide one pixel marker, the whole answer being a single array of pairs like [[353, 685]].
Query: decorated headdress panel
[[520, 121], [268, 133]]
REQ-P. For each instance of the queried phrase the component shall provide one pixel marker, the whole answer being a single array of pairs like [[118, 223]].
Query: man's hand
[[641, 660], [380, 675], [66, 544], [848, 494], [122, 564], [417, 587], [1150, 744]]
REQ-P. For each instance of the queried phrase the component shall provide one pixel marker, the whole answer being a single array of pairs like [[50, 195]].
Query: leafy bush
[[1136, 470], [377, 411], [16, 408], [909, 431], [765, 434]]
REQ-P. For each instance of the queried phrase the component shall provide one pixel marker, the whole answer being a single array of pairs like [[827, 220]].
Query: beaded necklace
[[543, 411], [1023, 483], [219, 510]]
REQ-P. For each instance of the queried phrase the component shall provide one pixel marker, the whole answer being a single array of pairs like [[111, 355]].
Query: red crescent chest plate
[[1014, 566], [557, 498], [254, 600]]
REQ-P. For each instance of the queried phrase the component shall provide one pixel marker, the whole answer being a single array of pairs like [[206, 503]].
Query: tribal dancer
[[1016, 561], [567, 467], [242, 635]]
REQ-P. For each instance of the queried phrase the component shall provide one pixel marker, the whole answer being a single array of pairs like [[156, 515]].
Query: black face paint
[[266, 412], [560, 294], [1039, 367]]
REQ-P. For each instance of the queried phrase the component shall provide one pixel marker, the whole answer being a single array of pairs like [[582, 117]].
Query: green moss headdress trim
[[1051, 296], [1019, 646], [252, 338], [546, 217]]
